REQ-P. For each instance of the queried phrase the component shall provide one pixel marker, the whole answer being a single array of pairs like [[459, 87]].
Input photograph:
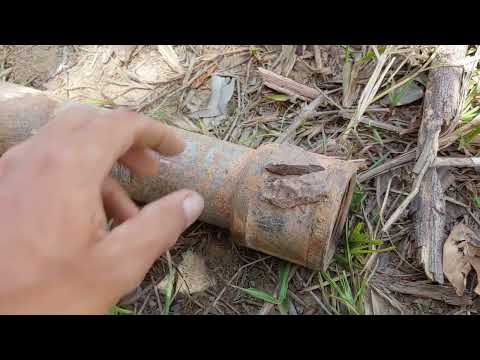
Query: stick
[[401, 208], [395, 163], [308, 112], [287, 86], [378, 124], [420, 289], [457, 162], [442, 99], [402, 160], [441, 109]]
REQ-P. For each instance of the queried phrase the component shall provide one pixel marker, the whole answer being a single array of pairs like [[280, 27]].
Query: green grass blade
[[278, 97], [284, 275], [116, 310], [371, 251], [466, 139], [377, 136], [261, 295], [476, 202], [283, 307], [357, 198], [379, 161], [169, 293]]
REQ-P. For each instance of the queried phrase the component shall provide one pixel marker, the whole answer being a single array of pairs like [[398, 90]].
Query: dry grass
[[357, 119]]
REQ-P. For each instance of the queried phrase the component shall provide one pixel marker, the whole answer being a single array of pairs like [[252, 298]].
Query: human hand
[[56, 253]]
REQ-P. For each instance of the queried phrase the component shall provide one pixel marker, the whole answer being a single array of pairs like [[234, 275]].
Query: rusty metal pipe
[[277, 199]]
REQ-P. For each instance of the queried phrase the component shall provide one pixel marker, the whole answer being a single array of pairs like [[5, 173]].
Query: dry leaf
[[150, 67], [475, 262], [91, 78], [192, 275], [404, 95], [123, 52], [171, 58], [292, 190], [385, 305], [201, 79], [460, 253]]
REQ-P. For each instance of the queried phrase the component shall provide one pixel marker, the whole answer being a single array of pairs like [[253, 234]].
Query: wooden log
[[440, 110]]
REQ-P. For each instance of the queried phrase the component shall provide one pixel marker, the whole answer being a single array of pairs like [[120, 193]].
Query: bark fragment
[[286, 169], [292, 190]]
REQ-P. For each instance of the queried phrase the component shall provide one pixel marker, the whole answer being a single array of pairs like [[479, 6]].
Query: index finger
[[110, 134], [126, 129]]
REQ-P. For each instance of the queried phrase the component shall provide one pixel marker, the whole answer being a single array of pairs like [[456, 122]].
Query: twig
[[144, 304], [307, 113], [382, 209], [287, 86], [318, 59], [319, 302], [234, 277], [159, 302], [447, 198], [397, 162], [469, 69], [401, 208], [407, 78], [378, 124], [409, 156], [457, 162]]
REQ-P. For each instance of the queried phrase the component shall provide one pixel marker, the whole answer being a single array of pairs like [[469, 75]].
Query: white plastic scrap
[[222, 92]]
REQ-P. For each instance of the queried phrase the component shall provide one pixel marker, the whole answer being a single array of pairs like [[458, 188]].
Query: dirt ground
[[206, 273]]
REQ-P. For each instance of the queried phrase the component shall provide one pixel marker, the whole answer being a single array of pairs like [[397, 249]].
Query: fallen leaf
[[192, 275], [201, 79], [171, 58], [150, 67], [378, 305], [422, 78], [404, 95], [475, 262], [123, 52], [461, 254]]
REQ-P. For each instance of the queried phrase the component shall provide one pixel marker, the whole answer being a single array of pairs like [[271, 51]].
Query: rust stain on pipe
[[277, 199]]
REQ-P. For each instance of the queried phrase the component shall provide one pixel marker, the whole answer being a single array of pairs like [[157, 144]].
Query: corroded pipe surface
[[277, 199]]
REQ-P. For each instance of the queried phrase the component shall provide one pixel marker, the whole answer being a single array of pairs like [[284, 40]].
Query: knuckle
[[128, 278], [54, 157], [123, 116], [11, 158], [122, 278]]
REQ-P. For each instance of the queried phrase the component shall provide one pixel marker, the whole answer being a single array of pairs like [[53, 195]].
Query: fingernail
[[193, 207]]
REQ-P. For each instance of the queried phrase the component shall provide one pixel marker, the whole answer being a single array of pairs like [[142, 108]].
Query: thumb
[[139, 241]]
